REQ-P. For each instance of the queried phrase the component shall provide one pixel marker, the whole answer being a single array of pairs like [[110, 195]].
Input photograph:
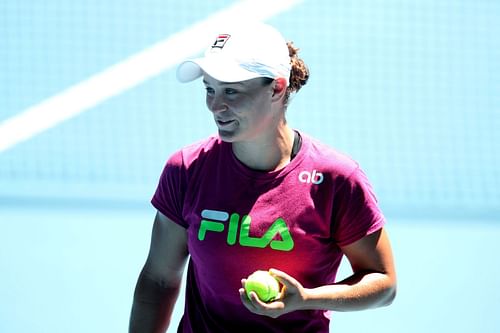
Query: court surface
[[74, 270]]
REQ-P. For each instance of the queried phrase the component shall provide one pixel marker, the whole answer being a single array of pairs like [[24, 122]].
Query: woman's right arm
[[160, 279]]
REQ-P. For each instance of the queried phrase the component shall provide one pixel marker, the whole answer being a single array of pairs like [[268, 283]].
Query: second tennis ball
[[264, 285]]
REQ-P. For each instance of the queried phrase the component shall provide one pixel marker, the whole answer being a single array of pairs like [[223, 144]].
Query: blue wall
[[410, 89]]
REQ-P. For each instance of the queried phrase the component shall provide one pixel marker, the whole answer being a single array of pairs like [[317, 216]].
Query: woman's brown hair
[[299, 73]]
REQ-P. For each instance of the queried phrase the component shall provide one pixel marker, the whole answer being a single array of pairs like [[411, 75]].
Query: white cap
[[241, 53]]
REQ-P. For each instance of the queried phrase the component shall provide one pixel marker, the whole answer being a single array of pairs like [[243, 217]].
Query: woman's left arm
[[372, 284]]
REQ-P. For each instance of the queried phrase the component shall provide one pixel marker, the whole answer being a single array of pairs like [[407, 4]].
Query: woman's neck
[[267, 153]]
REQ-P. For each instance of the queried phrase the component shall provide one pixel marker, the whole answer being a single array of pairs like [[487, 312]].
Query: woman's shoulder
[[328, 157], [196, 151]]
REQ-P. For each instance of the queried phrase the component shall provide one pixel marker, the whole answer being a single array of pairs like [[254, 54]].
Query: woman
[[259, 196]]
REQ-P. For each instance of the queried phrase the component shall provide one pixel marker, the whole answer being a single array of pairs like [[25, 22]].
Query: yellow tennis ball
[[264, 285]]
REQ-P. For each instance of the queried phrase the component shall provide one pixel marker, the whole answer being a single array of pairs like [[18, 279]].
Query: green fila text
[[213, 221]]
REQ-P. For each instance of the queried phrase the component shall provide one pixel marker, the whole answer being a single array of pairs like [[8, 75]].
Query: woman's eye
[[230, 91]]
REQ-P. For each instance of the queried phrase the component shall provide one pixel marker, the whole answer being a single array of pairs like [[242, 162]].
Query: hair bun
[[299, 73]]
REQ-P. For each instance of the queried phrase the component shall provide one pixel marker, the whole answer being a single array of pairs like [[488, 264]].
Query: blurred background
[[90, 110]]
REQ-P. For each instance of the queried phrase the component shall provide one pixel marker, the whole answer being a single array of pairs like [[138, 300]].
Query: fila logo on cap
[[221, 40]]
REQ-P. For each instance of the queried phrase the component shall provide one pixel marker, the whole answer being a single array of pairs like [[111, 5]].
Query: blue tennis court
[[90, 110], [74, 269]]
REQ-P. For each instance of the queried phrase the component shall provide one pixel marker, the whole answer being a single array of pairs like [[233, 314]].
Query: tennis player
[[259, 195]]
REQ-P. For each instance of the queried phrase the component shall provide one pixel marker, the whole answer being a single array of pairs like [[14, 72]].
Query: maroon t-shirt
[[241, 220]]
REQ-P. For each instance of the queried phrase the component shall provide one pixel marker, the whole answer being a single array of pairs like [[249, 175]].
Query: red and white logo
[[221, 40]]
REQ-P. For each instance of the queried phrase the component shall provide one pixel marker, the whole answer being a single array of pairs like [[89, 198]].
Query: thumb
[[286, 280]]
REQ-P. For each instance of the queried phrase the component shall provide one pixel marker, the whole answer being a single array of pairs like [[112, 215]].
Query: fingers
[[289, 298], [286, 280], [255, 305], [252, 301]]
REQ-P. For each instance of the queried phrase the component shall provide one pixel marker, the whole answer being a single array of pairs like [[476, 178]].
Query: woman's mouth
[[225, 123]]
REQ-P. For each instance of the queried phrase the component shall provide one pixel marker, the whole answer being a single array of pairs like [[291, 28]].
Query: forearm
[[360, 291], [152, 306]]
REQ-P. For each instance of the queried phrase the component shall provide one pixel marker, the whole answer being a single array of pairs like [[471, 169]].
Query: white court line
[[130, 72]]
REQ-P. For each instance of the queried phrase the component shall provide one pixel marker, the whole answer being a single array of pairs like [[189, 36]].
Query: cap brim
[[223, 70], [188, 71]]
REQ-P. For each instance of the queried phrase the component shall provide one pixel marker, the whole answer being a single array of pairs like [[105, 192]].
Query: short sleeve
[[169, 195], [356, 213]]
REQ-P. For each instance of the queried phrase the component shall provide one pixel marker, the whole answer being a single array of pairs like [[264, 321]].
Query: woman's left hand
[[292, 297]]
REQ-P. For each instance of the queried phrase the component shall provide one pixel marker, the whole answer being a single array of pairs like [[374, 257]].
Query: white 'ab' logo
[[314, 177]]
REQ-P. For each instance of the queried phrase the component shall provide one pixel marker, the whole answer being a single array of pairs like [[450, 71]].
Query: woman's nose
[[216, 104]]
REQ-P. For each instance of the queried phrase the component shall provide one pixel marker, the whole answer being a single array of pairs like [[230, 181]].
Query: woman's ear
[[279, 88]]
